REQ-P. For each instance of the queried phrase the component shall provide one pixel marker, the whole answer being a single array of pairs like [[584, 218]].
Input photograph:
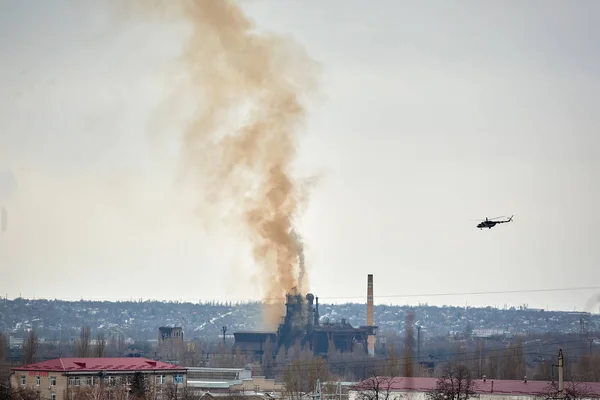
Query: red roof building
[[482, 387], [53, 379]]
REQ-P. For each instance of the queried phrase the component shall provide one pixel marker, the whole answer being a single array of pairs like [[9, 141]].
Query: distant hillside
[[140, 320]]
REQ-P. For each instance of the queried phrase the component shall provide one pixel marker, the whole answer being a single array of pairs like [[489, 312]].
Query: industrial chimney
[[370, 322]]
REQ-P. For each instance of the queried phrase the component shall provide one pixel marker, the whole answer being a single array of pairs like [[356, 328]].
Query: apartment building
[[57, 379]]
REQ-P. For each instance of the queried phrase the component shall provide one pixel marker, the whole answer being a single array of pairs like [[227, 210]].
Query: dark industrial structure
[[301, 325]]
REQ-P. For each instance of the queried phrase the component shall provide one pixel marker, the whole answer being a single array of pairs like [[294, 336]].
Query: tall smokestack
[[370, 322]]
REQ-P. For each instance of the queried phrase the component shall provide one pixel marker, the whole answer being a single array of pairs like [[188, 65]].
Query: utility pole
[[561, 393], [419, 343]]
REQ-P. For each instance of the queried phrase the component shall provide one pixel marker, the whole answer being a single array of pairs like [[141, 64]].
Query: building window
[[37, 380], [52, 396], [91, 380], [161, 379], [178, 378], [74, 381], [52, 381], [22, 379]]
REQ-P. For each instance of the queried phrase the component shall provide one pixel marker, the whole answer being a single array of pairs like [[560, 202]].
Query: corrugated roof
[[212, 385], [99, 364], [514, 387]]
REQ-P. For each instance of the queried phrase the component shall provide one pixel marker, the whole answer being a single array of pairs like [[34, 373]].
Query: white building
[[218, 381], [486, 332]]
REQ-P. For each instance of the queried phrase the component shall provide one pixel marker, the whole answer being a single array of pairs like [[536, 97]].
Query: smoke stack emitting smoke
[[244, 169]]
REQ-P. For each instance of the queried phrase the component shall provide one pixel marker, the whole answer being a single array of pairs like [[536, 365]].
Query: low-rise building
[[55, 379], [229, 380], [485, 389]]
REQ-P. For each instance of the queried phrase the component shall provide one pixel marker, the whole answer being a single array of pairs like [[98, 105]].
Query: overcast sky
[[432, 114]]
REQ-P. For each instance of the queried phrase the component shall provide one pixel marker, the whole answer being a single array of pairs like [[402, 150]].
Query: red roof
[[514, 387], [97, 364]]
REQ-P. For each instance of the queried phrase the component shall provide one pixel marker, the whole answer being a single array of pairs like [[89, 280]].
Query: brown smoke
[[240, 144]]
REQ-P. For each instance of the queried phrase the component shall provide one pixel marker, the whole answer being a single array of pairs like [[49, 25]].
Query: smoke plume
[[239, 146]]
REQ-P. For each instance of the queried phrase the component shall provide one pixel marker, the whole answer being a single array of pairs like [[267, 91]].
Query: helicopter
[[490, 223]]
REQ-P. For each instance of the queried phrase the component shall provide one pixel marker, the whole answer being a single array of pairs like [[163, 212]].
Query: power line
[[409, 295], [580, 288]]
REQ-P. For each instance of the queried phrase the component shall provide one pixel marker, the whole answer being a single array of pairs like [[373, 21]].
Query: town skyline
[[423, 120]]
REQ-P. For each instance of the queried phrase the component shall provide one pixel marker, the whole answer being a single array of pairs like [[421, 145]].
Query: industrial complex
[[301, 324]]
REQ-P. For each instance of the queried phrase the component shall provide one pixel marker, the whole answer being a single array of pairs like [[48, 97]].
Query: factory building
[[170, 345], [301, 325]]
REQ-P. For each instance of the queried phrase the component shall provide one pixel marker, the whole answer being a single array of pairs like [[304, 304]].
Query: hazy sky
[[432, 114]]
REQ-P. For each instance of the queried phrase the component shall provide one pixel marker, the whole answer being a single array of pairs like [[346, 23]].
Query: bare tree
[[3, 346], [97, 392], [30, 348], [239, 358], [544, 370], [588, 367], [456, 383], [169, 392], [409, 341], [460, 353], [115, 346], [571, 390], [376, 388], [512, 365], [491, 363], [83, 343], [392, 367], [100, 345], [24, 394], [173, 392], [194, 357], [4, 368], [478, 358], [267, 362], [5, 388], [139, 386], [301, 374], [224, 358], [188, 394]]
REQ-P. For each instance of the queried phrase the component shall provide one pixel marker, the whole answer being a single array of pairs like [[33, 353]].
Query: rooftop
[[97, 364], [507, 387]]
